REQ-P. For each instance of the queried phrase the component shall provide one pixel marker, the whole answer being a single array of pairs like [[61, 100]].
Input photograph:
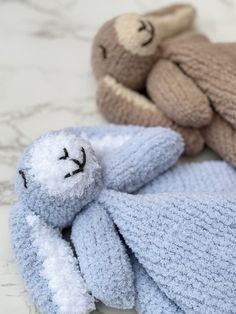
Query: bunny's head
[[127, 46], [58, 175]]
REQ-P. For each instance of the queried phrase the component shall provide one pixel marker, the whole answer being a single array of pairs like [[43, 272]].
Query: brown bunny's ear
[[188, 36], [172, 20]]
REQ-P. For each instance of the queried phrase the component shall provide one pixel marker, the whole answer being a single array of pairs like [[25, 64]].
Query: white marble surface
[[46, 83]]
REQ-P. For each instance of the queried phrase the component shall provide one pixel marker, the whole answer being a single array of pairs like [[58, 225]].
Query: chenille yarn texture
[[59, 179], [189, 81], [197, 177], [186, 243], [210, 177]]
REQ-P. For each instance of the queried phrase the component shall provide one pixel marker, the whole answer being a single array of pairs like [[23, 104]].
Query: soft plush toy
[[79, 177], [124, 52], [59, 180], [186, 78]]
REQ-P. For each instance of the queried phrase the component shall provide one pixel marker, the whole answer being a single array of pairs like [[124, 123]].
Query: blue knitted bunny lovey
[[179, 222], [62, 180]]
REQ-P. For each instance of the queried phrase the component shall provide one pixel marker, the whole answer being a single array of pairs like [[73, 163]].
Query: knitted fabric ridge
[[171, 250]]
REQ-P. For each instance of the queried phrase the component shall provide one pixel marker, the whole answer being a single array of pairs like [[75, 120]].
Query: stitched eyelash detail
[[66, 154], [21, 172]]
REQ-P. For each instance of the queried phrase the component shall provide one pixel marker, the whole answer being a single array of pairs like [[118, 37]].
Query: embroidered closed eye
[[21, 172], [104, 51], [66, 154]]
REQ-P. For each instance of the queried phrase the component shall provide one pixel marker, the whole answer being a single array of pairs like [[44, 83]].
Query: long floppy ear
[[141, 159], [173, 19], [103, 259], [46, 261]]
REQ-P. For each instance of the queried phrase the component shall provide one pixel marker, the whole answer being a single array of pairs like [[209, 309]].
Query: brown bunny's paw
[[194, 142], [212, 70], [220, 136], [124, 106], [178, 96]]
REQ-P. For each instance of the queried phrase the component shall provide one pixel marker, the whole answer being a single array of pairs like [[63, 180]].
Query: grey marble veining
[[46, 83]]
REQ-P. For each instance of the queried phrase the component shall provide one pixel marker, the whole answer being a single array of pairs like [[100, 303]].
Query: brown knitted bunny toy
[[190, 82], [126, 51]]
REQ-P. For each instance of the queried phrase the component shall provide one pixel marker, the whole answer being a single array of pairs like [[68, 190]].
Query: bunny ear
[[103, 259], [172, 20], [48, 267], [187, 244], [141, 159]]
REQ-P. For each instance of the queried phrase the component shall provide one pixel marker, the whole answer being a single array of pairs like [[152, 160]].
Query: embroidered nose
[[149, 28], [78, 163]]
